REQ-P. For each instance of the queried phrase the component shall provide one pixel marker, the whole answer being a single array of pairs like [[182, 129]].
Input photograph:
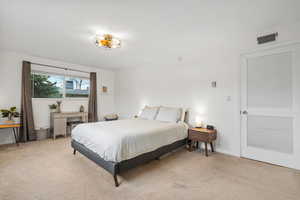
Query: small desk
[[58, 121], [15, 126]]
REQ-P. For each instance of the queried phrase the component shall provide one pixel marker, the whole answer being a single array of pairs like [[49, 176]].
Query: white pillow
[[149, 113], [169, 114], [183, 112]]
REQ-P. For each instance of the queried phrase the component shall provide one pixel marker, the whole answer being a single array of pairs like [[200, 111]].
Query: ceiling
[[152, 32]]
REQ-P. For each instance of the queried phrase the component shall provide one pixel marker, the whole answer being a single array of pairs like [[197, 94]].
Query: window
[[46, 85]]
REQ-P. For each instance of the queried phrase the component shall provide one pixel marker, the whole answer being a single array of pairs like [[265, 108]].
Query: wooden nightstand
[[197, 135]]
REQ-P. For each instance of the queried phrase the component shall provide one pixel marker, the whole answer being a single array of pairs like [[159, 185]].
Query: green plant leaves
[[11, 112]]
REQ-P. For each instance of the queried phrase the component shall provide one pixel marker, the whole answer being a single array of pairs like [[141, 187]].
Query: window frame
[[64, 86]]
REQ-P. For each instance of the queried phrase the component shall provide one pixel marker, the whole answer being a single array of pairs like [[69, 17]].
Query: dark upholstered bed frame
[[116, 168]]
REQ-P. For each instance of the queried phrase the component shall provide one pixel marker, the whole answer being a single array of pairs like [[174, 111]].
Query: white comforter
[[124, 139]]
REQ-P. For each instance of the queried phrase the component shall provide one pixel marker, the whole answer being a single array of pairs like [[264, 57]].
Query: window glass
[[47, 86], [77, 87], [58, 86]]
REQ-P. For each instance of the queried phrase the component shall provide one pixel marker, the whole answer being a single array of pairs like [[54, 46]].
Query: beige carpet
[[48, 170]]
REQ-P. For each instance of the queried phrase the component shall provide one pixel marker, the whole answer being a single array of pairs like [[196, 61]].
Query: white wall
[[188, 87], [187, 82], [10, 89]]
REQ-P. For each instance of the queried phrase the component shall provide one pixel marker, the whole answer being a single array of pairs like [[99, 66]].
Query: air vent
[[267, 38]]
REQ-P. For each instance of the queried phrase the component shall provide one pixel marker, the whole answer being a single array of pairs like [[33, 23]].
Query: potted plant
[[53, 107], [10, 113]]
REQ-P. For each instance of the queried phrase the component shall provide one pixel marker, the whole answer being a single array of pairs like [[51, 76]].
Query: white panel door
[[270, 100]]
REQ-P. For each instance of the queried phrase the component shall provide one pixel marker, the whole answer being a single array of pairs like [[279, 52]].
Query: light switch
[[228, 98]]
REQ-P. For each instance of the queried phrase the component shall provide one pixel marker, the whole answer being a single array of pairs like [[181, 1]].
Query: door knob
[[245, 112]]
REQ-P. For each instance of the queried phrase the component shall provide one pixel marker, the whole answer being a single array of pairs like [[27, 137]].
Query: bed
[[120, 145]]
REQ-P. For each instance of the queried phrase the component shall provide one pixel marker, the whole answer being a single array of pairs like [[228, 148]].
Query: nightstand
[[197, 135]]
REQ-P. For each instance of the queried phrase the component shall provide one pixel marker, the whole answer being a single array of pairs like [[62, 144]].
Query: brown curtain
[[93, 116], [27, 130]]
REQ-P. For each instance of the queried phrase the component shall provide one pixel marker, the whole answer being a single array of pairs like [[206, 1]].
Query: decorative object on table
[[81, 109], [196, 135], [111, 117], [42, 133], [58, 106], [199, 122], [210, 127], [53, 108], [104, 89], [10, 113]]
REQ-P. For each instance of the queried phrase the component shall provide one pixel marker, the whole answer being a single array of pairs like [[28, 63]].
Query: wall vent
[[267, 38]]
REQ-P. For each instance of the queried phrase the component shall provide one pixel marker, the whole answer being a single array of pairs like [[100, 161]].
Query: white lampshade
[[199, 121]]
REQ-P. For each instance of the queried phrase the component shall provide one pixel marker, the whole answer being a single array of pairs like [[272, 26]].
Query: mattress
[[125, 139]]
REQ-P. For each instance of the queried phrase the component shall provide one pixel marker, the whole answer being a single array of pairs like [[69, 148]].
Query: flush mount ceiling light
[[107, 41]]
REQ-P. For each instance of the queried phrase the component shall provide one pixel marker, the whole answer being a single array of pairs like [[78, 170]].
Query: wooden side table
[[197, 135]]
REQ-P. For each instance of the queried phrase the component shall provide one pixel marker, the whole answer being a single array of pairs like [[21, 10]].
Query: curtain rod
[[64, 68]]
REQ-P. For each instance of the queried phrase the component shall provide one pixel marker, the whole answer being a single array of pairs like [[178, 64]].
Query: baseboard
[[223, 151]]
